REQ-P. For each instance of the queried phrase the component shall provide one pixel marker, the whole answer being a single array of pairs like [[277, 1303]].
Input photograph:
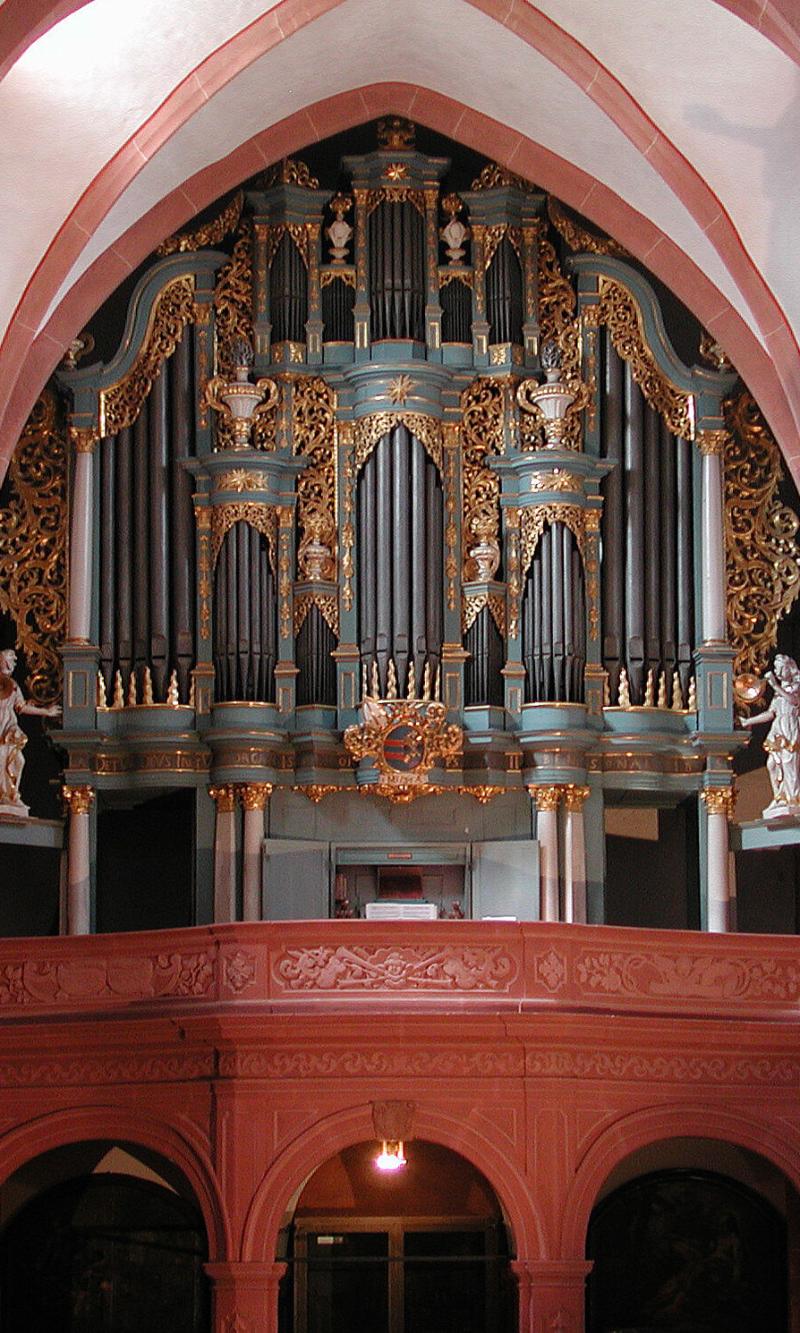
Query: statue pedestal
[[18, 811]]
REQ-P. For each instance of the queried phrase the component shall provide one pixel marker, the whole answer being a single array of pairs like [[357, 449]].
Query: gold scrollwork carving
[[233, 298], [577, 237], [260, 516], [620, 312], [558, 324], [494, 177], [344, 275], [121, 403], [535, 518], [447, 275], [33, 548], [346, 434], [326, 603], [285, 573], [404, 738], [396, 194], [762, 556], [317, 791], [296, 230], [368, 430], [290, 171], [514, 580], [210, 233], [474, 603], [494, 235], [450, 529], [482, 419], [314, 434]]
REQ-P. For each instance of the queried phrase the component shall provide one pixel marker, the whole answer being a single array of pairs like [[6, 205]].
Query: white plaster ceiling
[[725, 97]]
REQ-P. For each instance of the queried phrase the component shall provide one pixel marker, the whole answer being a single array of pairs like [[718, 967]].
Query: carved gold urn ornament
[[238, 399]]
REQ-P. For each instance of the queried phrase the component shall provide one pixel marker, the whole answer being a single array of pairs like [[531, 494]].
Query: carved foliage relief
[[314, 434]]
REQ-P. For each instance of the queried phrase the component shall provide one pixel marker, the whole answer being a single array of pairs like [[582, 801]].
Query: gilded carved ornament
[[482, 421], [547, 798], [404, 738], [209, 233], [33, 548], [260, 516], [289, 171], [762, 555], [254, 795], [474, 603], [224, 797], [241, 479], [621, 314], [719, 801], [314, 435], [326, 603], [369, 430], [78, 800], [578, 238], [121, 403], [535, 518], [558, 324], [494, 177]]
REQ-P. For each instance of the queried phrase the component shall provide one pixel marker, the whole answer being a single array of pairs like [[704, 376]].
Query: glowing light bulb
[[391, 1156]]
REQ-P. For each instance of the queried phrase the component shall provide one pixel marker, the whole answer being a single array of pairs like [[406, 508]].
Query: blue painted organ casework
[[399, 534]]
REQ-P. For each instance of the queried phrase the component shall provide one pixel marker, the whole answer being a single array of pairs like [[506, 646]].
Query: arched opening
[[423, 1248], [695, 1236], [99, 1236]]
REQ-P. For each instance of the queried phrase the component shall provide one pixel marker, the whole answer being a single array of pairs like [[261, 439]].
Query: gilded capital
[[224, 797], [546, 798], [78, 800], [83, 439], [574, 797], [712, 441], [720, 801], [254, 795]]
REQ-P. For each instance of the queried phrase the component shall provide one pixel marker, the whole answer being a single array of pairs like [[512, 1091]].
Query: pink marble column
[[254, 797], [78, 801], [224, 853], [547, 799]]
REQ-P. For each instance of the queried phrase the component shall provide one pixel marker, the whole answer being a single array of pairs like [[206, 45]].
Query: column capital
[[719, 801], [245, 1296], [712, 441], [78, 800], [551, 1294], [83, 439], [225, 798], [546, 797], [574, 796], [254, 795]]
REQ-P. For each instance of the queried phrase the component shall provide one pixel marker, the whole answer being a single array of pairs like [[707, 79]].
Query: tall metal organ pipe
[[647, 567], [504, 299], [245, 618], [288, 293], [146, 537], [400, 589]]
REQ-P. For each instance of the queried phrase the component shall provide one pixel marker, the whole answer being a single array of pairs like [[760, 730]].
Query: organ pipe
[[396, 245], [288, 293], [245, 618], [504, 304], [553, 620]]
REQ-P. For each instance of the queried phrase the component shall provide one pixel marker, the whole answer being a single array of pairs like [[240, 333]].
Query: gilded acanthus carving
[[578, 238], [535, 518], [558, 324], [719, 800], [493, 177], [210, 233], [368, 430], [314, 434], [402, 967], [404, 738], [473, 605], [233, 319], [482, 409], [121, 403], [762, 555], [326, 603], [33, 547], [260, 516], [620, 312], [290, 171]]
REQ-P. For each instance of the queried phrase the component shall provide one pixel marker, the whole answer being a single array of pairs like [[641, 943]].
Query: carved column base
[[551, 1294], [245, 1297]]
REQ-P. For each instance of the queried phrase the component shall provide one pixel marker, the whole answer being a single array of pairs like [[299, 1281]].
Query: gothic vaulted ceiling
[[674, 127]]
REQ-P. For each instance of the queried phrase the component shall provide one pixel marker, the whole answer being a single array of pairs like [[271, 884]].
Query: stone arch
[[647, 1127], [183, 1150], [353, 1125]]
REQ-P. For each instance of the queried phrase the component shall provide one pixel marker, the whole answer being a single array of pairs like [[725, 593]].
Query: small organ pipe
[[366, 561], [434, 562], [685, 561], [418, 518], [254, 597], [557, 602], [668, 549], [547, 615], [383, 562], [567, 574], [241, 535], [231, 629]]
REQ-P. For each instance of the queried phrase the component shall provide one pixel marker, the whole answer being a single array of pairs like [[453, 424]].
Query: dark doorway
[[689, 1252], [104, 1254]]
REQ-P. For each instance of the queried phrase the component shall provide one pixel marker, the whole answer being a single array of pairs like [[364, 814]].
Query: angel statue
[[12, 738], [782, 742]]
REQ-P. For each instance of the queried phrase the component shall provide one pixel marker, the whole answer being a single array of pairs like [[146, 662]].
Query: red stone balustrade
[[434, 965]]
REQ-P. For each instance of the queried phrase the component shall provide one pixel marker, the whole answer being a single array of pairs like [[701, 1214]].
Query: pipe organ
[[387, 444]]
